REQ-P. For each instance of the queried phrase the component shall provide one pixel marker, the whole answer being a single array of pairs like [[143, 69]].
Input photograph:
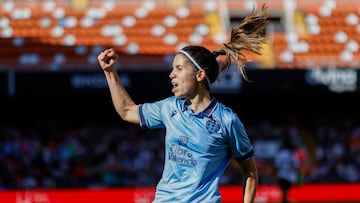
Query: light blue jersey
[[198, 148]]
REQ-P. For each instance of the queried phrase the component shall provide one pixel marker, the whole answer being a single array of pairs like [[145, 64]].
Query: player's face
[[183, 77]]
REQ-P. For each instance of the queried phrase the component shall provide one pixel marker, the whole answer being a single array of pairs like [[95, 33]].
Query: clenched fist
[[107, 59]]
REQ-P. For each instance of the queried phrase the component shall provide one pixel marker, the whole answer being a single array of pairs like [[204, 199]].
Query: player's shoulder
[[226, 113], [223, 112], [167, 100], [224, 108], [172, 101]]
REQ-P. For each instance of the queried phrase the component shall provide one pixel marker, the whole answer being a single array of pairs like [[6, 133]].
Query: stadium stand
[[55, 152], [60, 35]]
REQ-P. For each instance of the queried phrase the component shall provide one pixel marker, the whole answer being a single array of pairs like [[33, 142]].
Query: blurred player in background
[[288, 165], [202, 134]]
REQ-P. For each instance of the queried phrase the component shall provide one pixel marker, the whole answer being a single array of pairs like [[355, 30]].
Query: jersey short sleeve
[[240, 144], [151, 114]]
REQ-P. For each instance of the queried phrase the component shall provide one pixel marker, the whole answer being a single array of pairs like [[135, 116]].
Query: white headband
[[196, 64]]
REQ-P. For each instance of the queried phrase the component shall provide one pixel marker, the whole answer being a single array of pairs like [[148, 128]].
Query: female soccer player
[[202, 134]]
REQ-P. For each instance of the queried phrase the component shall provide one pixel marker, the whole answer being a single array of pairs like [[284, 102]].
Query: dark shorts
[[284, 184]]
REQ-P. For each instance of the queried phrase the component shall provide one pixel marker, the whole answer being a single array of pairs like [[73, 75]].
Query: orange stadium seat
[[327, 46], [161, 27]]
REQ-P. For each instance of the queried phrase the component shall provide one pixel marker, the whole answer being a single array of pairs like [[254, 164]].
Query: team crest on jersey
[[182, 140], [212, 126]]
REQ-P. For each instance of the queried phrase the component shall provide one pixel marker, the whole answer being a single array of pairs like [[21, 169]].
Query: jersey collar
[[207, 112]]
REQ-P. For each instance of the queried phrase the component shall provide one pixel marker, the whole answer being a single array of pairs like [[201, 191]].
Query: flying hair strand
[[249, 35]]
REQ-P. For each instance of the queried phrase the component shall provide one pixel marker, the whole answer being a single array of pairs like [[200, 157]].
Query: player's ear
[[200, 75]]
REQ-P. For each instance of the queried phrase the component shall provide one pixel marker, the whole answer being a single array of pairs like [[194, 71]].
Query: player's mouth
[[174, 86]]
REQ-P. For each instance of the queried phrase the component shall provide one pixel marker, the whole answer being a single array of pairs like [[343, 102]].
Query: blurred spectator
[[49, 153]]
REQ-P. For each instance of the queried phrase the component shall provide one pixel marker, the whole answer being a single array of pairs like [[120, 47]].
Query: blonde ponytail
[[249, 35]]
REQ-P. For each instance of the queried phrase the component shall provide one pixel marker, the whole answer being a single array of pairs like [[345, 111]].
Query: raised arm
[[124, 105]]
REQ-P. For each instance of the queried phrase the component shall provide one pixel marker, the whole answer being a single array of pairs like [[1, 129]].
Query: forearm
[[250, 180], [121, 99], [250, 187]]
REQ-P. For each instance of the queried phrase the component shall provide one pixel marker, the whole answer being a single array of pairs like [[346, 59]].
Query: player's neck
[[199, 102]]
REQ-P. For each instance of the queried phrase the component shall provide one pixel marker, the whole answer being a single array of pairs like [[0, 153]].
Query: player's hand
[[107, 59]]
